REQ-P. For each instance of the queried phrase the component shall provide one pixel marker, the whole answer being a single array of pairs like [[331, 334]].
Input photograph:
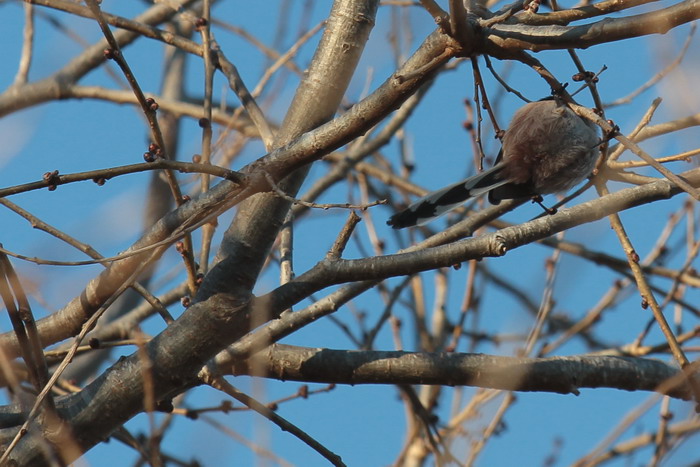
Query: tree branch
[[563, 375]]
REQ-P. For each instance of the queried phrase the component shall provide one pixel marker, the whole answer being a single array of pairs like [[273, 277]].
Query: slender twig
[[53, 179], [647, 295], [632, 146], [19, 313], [279, 192], [442, 19], [502, 82], [247, 100], [204, 26], [25, 60], [344, 236], [143, 29], [87, 326], [625, 423], [221, 384], [286, 248], [149, 107], [616, 152], [661, 74], [88, 250]]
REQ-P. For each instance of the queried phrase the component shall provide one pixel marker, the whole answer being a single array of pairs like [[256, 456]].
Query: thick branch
[[309, 147], [563, 375], [503, 39], [257, 222], [333, 272]]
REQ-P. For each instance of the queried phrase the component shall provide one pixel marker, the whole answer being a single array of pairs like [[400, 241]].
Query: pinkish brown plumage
[[546, 149]]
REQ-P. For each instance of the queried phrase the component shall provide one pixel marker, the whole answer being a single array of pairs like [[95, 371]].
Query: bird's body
[[546, 149]]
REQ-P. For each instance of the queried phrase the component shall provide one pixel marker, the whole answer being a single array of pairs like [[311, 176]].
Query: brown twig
[[647, 296], [53, 179], [278, 191], [87, 326], [218, 382], [344, 236]]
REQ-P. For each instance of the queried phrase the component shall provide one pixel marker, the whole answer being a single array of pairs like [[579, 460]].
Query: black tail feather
[[440, 202]]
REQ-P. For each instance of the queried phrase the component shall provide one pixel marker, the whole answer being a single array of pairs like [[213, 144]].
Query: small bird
[[546, 149]]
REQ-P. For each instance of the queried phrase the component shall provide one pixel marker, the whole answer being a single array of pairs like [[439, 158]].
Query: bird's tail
[[437, 203]]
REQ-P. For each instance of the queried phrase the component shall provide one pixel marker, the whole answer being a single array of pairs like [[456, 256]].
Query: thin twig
[[632, 146], [661, 74], [88, 250], [25, 60], [53, 179], [344, 236], [87, 326], [279, 192], [643, 123], [149, 107], [647, 295], [204, 26], [221, 384], [442, 19]]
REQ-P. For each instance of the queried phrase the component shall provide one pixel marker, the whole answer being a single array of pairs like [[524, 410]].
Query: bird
[[547, 148]]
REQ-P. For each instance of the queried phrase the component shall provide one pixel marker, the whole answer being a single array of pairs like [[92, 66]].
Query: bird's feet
[[538, 199]]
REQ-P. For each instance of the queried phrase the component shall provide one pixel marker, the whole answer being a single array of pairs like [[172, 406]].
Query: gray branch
[[563, 375]]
